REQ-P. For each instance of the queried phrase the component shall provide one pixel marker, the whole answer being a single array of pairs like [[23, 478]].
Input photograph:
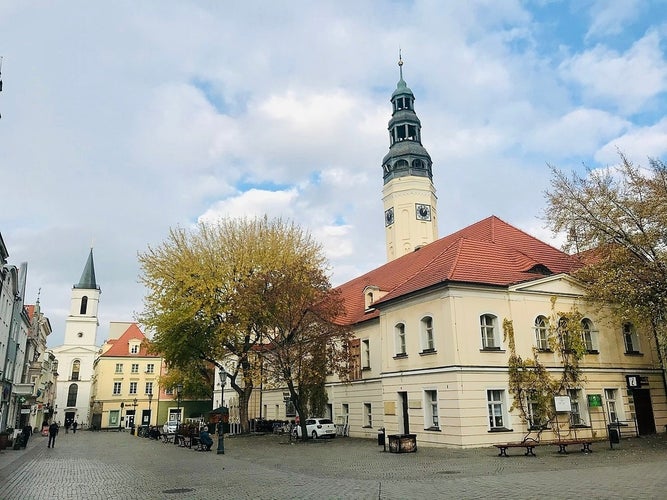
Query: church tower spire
[[408, 194], [82, 322]]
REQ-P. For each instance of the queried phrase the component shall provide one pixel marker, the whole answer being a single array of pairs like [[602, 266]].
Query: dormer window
[[134, 348]]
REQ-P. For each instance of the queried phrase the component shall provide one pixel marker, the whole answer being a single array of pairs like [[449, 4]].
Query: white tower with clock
[[410, 212], [76, 357]]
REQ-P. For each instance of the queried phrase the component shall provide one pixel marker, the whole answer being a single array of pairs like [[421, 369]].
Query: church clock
[[423, 211]]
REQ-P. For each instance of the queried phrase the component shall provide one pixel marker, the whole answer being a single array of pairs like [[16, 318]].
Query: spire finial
[[400, 63]]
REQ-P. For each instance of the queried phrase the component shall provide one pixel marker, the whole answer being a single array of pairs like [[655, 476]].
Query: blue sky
[[121, 120]]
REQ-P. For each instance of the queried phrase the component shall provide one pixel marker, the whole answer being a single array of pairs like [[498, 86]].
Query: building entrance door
[[643, 411], [403, 402]]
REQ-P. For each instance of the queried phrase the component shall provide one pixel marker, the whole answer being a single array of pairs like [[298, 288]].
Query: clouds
[[627, 81], [119, 122]]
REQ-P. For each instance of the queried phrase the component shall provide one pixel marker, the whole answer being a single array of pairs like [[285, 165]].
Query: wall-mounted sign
[[633, 381], [562, 403], [594, 400]]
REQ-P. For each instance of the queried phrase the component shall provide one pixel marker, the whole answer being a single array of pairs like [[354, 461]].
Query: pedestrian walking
[[75, 424], [53, 432], [27, 432], [67, 425]]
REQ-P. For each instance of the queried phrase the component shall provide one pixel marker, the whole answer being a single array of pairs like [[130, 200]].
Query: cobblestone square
[[113, 465]]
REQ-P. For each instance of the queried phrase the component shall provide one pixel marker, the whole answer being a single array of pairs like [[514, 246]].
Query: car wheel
[[314, 434]]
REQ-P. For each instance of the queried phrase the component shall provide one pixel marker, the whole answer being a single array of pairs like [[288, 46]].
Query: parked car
[[318, 427], [171, 427]]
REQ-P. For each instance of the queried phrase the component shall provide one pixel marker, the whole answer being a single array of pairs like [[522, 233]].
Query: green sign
[[594, 400]]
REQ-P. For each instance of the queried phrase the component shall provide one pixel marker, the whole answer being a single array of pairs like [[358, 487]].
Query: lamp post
[[179, 387], [221, 425], [134, 416], [150, 400], [120, 425]]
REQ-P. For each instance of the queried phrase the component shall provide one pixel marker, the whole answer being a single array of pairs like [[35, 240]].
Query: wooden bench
[[529, 445], [564, 443]]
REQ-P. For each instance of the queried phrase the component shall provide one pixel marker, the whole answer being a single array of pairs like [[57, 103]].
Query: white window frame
[[589, 335], [134, 368], [150, 368], [365, 354], [492, 405], [630, 339], [492, 328], [431, 413], [134, 349], [400, 337], [530, 407], [119, 368], [427, 335], [368, 415], [613, 404], [577, 418], [149, 387], [117, 388], [541, 327], [133, 387]]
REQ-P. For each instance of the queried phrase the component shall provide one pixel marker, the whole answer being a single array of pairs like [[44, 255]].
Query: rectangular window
[[169, 391], [119, 367], [116, 388], [496, 406], [368, 416], [537, 418], [354, 359], [612, 412], [135, 368], [366, 354], [488, 327], [134, 349], [630, 339], [149, 387], [133, 387], [431, 410], [575, 407], [150, 368]]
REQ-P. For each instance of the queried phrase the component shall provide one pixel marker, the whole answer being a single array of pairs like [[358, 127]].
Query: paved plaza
[[113, 465]]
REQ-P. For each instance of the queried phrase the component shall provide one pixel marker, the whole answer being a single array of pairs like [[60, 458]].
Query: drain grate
[[449, 472], [178, 490]]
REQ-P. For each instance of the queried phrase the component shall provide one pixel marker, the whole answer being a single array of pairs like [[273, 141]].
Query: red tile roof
[[489, 252], [119, 346]]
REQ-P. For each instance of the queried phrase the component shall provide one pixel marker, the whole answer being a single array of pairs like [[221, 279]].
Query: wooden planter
[[402, 443]]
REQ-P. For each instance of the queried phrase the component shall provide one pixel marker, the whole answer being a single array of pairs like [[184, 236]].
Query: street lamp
[[122, 405], [221, 425], [150, 400], [179, 387]]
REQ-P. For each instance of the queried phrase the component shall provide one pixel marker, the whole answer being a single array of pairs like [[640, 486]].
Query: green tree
[[221, 291], [616, 219]]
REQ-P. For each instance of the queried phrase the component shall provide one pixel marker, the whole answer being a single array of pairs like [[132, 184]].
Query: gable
[[560, 284]]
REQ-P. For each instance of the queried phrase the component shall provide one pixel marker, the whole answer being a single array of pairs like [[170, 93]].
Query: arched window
[[418, 164], [401, 164], [71, 395], [76, 365], [488, 325], [428, 342], [542, 333], [589, 335], [84, 305], [399, 331]]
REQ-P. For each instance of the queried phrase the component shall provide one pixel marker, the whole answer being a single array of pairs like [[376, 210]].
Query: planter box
[[402, 443]]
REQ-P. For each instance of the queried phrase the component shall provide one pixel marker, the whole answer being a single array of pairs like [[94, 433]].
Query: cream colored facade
[[396, 392], [125, 376]]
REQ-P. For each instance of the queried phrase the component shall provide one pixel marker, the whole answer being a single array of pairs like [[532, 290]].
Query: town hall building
[[431, 355]]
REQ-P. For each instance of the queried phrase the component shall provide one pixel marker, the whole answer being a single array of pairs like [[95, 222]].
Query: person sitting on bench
[[205, 438]]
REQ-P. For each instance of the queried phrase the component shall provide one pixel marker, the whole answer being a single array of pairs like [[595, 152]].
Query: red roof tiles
[[489, 252]]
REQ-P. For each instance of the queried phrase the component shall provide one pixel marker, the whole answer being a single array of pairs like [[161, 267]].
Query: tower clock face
[[423, 211], [389, 217]]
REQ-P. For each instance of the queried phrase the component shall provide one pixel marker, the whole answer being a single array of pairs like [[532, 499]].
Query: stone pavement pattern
[[100, 465]]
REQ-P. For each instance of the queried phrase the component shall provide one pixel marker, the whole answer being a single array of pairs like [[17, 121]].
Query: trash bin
[[614, 434], [381, 436]]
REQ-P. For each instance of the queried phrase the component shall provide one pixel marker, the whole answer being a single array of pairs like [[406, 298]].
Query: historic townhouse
[[430, 355]]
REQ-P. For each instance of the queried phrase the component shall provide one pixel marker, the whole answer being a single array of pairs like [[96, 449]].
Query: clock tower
[[408, 195]]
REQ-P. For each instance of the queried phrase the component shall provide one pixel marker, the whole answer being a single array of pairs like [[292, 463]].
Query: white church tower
[[408, 195], [77, 355]]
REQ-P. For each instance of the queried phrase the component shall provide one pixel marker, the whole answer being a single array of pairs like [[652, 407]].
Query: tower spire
[[408, 193], [87, 280]]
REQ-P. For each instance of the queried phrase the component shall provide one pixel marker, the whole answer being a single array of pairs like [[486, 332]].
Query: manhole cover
[[178, 490], [449, 472]]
